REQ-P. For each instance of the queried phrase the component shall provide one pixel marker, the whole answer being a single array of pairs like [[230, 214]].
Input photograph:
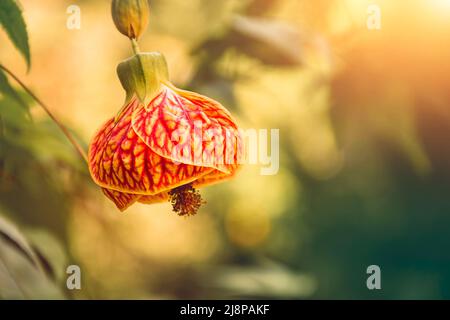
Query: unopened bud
[[130, 16]]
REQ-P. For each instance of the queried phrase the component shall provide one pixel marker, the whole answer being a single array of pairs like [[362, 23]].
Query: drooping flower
[[164, 142]]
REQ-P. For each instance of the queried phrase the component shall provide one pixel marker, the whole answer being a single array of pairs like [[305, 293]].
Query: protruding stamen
[[185, 200]]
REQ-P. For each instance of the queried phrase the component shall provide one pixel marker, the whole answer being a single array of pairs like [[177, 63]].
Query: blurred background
[[364, 119]]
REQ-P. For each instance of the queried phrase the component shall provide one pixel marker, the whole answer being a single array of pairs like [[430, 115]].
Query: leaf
[[263, 281], [50, 252], [11, 235], [272, 42], [21, 273], [7, 90], [12, 21]]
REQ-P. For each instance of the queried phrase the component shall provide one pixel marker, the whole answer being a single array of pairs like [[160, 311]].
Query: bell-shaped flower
[[164, 143]]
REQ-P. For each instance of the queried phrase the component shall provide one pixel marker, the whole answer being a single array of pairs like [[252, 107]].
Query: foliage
[[24, 272], [12, 21], [33, 158]]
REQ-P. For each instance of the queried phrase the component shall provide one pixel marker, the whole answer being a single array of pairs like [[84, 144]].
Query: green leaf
[[21, 273], [270, 41], [11, 235], [7, 90], [12, 21]]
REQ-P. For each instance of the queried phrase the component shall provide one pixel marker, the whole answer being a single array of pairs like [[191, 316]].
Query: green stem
[[135, 46], [50, 114]]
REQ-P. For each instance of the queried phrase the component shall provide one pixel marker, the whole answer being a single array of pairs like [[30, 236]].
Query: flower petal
[[121, 199], [157, 198], [121, 161], [214, 177], [124, 200], [189, 128]]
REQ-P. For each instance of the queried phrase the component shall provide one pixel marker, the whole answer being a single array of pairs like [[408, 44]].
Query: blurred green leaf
[[14, 112], [265, 281], [21, 273], [10, 234], [38, 169], [272, 42], [12, 21], [50, 252], [8, 90]]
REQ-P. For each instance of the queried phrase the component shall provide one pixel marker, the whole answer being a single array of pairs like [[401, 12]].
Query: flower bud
[[130, 16]]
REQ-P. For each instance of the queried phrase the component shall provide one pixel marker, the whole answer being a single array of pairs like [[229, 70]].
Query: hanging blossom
[[164, 143]]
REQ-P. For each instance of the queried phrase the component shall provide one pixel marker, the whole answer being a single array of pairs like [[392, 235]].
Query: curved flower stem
[[135, 46], [66, 132]]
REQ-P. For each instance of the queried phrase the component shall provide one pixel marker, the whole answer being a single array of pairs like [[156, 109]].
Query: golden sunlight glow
[[439, 4]]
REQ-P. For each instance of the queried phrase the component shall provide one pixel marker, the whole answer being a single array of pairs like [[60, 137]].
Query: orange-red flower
[[161, 150]]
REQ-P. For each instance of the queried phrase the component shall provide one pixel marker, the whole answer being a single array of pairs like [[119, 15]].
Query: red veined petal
[[122, 200], [157, 198], [189, 128], [121, 161], [214, 177]]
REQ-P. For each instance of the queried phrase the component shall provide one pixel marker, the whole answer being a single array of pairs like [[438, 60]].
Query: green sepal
[[142, 75]]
